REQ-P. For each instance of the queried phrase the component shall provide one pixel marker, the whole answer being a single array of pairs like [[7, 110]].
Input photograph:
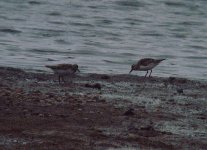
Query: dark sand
[[36, 112]]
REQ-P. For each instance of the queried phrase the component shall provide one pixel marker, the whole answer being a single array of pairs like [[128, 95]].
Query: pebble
[[180, 91], [129, 112], [96, 85], [105, 77]]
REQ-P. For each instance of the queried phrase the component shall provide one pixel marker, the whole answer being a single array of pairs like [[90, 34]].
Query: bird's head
[[75, 67], [133, 67]]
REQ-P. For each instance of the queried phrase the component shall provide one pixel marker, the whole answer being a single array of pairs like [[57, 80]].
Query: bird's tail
[[48, 66], [159, 60]]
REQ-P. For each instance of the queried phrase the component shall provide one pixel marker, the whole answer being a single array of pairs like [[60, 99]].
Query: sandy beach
[[100, 111]]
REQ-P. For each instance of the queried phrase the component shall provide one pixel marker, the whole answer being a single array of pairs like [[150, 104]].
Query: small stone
[[87, 85], [24, 143], [50, 95], [98, 86], [41, 115], [129, 112], [171, 79], [202, 117], [105, 77], [96, 97], [180, 91], [101, 100], [148, 128], [15, 141], [63, 116], [19, 90]]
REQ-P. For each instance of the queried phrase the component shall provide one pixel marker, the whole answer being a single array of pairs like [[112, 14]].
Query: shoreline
[[100, 111], [139, 73]]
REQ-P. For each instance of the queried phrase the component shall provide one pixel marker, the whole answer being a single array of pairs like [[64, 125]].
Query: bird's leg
[[150, 73], [146, 74], [59, 78], [70, 80], [63, 79]]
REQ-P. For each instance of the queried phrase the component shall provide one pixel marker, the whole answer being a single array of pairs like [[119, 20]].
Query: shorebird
[[145, 64], [63, 70]]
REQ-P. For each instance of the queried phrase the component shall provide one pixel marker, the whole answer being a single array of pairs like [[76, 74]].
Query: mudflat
[[100, 111]]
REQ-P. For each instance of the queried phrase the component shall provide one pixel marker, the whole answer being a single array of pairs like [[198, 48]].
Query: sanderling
[[64, 70], [145, 64]]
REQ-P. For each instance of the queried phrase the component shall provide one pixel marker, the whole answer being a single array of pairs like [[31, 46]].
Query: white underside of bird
[[148, 67], [64, 72]]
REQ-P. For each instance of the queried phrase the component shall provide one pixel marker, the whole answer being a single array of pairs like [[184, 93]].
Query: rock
[[101, 100], [88, 85], [96, 98], [96, 85], [202, 117], [63, 116], [105, 77], [50, 95], [182, 81], [41, 115], [129, 112], [180, 91], [171, 79], [19, 90], [148, 128]]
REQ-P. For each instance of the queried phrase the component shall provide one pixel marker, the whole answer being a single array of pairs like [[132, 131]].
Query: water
[[105, 36]]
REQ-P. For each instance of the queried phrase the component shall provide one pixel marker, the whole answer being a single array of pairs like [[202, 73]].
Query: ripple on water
[[114, 33], [9, 30], [198, 47], [130, 3], [40, 32], [175, 3], [191, 23], [82, 24], [41, 51], [62, 41], [35, 2], [54, 13], [57, 22]]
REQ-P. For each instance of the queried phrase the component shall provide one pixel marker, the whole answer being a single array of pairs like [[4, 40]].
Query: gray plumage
[[62, 70], [145, 64]]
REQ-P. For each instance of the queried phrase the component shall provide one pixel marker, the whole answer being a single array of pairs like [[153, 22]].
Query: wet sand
[[99, 111]]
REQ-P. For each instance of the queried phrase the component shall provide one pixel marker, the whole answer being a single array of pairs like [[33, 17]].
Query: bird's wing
[[146, 61], [64, 66], [60, 66]]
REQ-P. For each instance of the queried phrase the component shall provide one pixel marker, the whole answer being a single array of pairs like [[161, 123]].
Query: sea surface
[[105, 36]]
